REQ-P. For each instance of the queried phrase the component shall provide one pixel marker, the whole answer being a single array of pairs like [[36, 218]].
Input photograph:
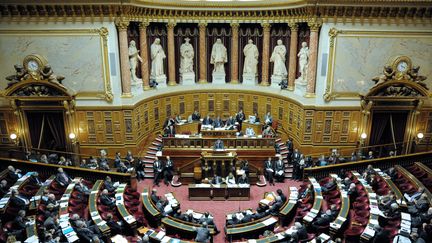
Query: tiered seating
[[35, 200], [151, 213], [318, 201], [287, 209], [408, 183], [150, 156], [121, 203], [10, 211], [343, 205], [67, 230], [93, 209], [305, 204], [359, 212], [422, 173]]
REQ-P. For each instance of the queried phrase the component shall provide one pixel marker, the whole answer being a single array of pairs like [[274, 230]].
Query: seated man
[[230, 179], [108, 184], [281, 195], [62, 178], [207, 120], [217, 180], [203, 233], [218, 122], [196, 116], [243, 179], [116, 227], [18, 201], [218, 145], [209, 220], [106, 200], [329, 186], [13, 175], [324, 220], [414, 196], [230, 123], [279, 169], [20, 222], [154, 197], [268, 132]]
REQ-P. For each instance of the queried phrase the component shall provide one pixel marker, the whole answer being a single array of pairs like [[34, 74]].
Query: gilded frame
[[334, 33], [102, 33]]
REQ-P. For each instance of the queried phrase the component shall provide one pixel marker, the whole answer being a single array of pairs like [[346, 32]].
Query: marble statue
[[303, 58], [219, 57], [186, 57], [134, 57], [157, 59], [251, 59], [278, 59]]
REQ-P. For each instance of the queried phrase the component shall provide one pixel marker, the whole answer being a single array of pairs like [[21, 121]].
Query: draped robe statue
[[219, 57], [186, 57], [278, 59], [157, 59], [251, 59], [303, 58]]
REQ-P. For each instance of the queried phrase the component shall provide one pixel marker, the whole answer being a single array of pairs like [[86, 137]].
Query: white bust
[[278, 59], [303, 59], [186, 57], [251, 58], [157, 59], [219, 57]]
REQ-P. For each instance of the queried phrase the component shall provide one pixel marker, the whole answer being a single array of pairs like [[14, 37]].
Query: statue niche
[[399, 79]]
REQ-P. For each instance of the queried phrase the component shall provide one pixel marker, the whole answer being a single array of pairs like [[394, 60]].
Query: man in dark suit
[[324, 220], [281, 195], [20, 223], [168, 170], [269, 170], [233, 221], [12, 175], [34, 180], [4, 189], [115, 227], [207, 120], [157, 171], [18, 201], [218, 122], [329, 186], [217, 180], [218, 145], [301, 233], [196, 116], [62, 178], [240, 117], [243, 179], [230, 122], [84, 233], [154, 197], [280, 169], [290, 147], [106, 200], [209, 220], [108, 184], [246, 217]]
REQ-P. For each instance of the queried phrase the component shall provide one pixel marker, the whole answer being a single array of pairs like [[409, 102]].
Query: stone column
[[144, 55], [124, 58], [313, 52], [292, 68], [171, 55], [202, 53], [234, 53], [265, 54]]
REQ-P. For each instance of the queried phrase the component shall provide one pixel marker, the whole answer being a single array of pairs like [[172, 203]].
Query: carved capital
[[202, 25], [143, 25], [235, 25], [122, 24], [171, 25], [333, 32], [314, 25], [293, 26], [266, 26]]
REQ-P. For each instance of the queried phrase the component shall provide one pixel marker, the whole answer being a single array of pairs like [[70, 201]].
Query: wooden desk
[[340, 220], [205, 192], [161, 236], [4, 202], [257, 127], [318, 199], [185, 229], [150, 211], [196, 142], [287, 210], [219, 160], [187, 128], [94, 213], [253, 230], [366, 236], [35, 200], [413, 180], [127, 217], [219, 133], [67, 230]]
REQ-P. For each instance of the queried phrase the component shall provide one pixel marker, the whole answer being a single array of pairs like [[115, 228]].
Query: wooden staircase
[[284, 152], [150, 156]]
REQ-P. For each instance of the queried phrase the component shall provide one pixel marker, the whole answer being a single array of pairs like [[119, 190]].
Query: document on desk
[[269, 221]]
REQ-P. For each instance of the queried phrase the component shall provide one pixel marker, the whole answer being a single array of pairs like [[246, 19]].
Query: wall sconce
[[363, 137], [14, 138], [72, 137], [419, 137]]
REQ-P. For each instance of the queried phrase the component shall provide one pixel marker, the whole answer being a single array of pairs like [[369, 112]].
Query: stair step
[[159, 139], [156, 144], [153, 148], [284, 152], [146, 170], [151, 152], [150, 157], [151, 176], [148, 161], [148, 165], [288, 170], [278, 139], [283, 147]]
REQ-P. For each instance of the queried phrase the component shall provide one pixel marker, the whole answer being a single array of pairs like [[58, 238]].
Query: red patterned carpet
[[217, 208]]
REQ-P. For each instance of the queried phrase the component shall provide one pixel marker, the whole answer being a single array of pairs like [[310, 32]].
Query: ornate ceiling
[[222, 10]]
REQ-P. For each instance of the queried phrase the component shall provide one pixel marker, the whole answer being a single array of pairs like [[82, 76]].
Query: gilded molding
[[143, 24], [293, 26], [122, 24]]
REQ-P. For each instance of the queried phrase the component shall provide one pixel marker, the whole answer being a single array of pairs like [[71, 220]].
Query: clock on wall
[[401, 66], [34, 63]]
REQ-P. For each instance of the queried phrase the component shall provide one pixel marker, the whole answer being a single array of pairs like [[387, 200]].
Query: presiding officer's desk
[[205, 192], [200, 142]]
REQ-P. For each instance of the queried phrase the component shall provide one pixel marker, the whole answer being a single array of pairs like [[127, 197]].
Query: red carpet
[[217, 208]]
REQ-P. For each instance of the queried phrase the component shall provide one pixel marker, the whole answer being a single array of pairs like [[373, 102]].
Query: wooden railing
[[383, 163]]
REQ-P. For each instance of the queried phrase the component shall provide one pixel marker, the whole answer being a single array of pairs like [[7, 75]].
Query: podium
[[219, 160]]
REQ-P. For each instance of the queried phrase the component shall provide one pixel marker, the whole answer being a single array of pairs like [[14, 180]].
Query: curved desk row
[[127, 217], [67, 230], [4, 202], [151, 213], [31, 230], [35, 200], [413, 180], [94, 213], [341, 219], [318, 199], [160, 236], [392, 186], [253, 230], [185, 229], [287, 210], [369, 231]]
